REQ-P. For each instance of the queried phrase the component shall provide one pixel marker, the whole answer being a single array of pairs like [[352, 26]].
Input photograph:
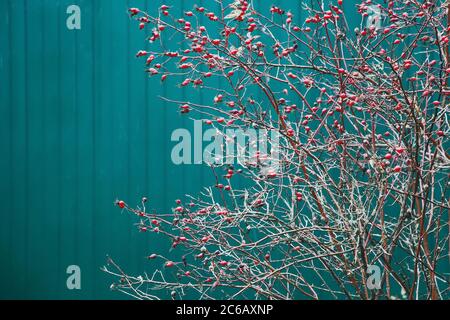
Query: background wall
[[82, 125]]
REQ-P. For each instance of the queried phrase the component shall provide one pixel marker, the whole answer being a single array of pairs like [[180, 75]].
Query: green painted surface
[[81, 125]]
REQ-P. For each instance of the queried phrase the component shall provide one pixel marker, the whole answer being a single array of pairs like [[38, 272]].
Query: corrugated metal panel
[[81, 126]]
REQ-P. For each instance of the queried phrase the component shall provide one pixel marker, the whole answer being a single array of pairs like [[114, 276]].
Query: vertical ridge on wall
[[5, 138], [93, 179], [69, 108], [105, 157], [58, 151], [18, 153], [50, 216], [85, 146], [34, 128]]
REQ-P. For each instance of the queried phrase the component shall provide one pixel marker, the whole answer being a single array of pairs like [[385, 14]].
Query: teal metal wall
[[81, 125]]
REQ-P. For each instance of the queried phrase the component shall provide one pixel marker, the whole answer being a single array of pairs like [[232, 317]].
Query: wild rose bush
[[362, 177]]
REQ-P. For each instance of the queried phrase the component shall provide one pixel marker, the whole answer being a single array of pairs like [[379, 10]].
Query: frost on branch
[[359, 96]]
